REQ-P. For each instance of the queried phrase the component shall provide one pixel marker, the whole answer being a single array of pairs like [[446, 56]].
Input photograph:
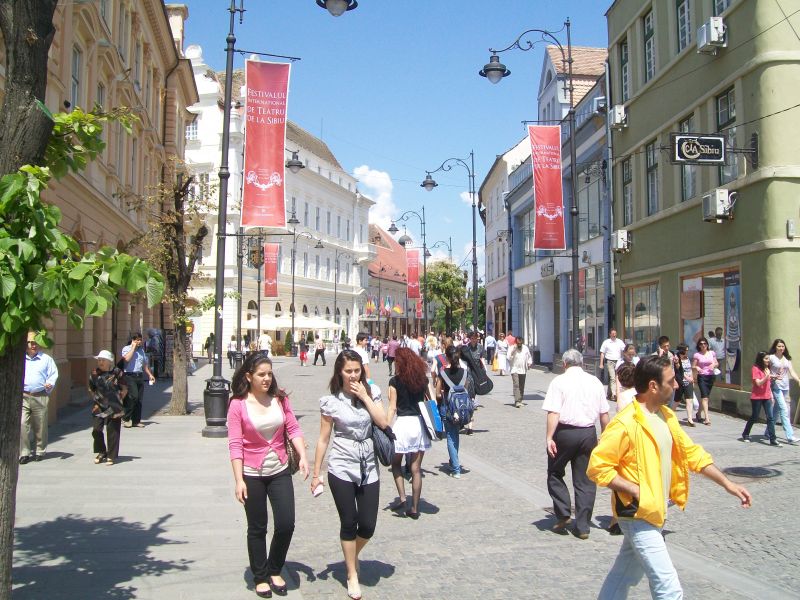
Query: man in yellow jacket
[[644, 457]]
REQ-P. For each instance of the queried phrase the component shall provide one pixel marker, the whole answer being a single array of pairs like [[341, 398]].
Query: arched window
[[316, 311], [278, 309], [327, 312], [305, 310]]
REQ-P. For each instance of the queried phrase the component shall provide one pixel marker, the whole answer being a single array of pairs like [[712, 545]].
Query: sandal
[[109, 462], [412, 514], [706, 422], [99, 458], [353, 590], [399, 505]]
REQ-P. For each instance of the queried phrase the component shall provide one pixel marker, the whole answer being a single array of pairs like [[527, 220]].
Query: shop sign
[[697, 149]]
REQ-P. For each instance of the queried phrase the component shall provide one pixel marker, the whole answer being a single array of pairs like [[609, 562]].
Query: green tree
[[42, 272], [445, 285]]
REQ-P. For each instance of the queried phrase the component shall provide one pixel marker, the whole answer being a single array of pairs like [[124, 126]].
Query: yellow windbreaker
[[628, 448]]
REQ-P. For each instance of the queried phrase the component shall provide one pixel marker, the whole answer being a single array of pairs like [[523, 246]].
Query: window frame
[[651, 180], [720, 6], [688, 172], [649, 37], [683, 23], [727, 126], [624, 69], [77, 71], [627, 192]]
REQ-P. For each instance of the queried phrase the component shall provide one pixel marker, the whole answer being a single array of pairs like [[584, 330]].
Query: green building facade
[[681, 275]]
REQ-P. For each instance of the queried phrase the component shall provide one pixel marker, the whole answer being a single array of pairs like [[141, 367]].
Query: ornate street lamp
[[404, 240], [494, 71], [337, 7], [429, 183]]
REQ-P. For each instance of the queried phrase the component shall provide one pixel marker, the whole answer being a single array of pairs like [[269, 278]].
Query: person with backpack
[[519, 360], [455, 404]]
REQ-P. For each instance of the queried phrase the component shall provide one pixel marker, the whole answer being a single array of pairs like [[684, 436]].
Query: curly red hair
[[411, 370]]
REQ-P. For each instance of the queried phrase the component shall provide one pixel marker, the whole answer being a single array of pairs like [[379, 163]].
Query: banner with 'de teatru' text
[[263, 200], [548, 227], [271, 270], [412, 266]]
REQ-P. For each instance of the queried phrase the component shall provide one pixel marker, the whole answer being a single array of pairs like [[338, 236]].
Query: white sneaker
[[455, 475]]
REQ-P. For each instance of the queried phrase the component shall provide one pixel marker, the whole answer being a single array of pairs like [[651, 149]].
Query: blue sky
[[393, 87]]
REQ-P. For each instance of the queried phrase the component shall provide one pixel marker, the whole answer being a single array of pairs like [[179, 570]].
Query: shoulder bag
[[292, 458]]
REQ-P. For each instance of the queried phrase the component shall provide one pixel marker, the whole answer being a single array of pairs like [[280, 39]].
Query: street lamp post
[[429, 183], [337, 254], [294, 222], [403, 241], [494, 71], [215, 396], [445, 244]]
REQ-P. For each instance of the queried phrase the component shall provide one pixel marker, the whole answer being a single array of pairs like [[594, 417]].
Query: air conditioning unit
[[711, 36], [718, 205], [620, 241], [599, 104], [617, 117]]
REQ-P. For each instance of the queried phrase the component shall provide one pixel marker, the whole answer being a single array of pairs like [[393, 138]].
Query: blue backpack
[[458, 406]]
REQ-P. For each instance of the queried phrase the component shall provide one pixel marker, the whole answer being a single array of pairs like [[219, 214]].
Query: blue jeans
[[452, 445], [757, 404], [643, 552], [781, 411]]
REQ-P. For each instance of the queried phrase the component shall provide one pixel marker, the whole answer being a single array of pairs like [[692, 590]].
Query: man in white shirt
[[610, 354], [361, 349], [412, 343], [574, 401], [491, 345], [265, 343], [41, 375]]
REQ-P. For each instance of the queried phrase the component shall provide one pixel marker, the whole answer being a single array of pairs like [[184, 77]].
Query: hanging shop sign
[[697, 149]]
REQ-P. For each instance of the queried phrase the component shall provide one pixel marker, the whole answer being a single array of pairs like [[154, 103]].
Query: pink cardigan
[[247, 444]]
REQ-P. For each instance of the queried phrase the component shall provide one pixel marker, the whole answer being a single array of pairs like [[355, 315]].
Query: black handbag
[[293, 459], [383, 442]]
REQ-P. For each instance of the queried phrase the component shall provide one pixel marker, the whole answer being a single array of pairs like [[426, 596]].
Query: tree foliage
[[445, 285], [42, 269]]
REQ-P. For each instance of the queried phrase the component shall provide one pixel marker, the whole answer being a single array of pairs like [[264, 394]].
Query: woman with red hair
[[407, 389]]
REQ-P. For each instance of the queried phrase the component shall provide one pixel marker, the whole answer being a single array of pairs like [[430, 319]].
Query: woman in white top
[[502, 354], [519, 359], [625, 390], [780, 365], [629, 357]]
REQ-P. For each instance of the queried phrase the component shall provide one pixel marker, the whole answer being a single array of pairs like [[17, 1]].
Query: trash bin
[[238, 359]]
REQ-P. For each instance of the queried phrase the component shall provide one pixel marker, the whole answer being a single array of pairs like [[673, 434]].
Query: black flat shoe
[[278, 589], [412, 514], [265, 593]]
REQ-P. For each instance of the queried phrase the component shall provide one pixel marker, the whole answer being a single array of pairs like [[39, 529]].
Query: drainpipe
[[608, 190]]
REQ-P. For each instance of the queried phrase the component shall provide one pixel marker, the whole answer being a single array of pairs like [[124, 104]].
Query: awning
[[271, 323]]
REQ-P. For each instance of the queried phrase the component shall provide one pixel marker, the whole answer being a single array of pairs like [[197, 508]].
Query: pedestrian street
[[163, 523]]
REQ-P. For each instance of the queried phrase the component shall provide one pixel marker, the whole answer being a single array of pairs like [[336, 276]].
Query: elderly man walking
[[610, 354], [41, 375], [575, 400]]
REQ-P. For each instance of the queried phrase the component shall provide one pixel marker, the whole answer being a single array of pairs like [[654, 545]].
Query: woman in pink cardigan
[[258, 413]]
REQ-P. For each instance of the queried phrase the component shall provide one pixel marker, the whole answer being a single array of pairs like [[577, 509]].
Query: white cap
[[106, 355]]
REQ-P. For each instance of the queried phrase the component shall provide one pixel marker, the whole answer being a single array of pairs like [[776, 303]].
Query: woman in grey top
[[348, 413]]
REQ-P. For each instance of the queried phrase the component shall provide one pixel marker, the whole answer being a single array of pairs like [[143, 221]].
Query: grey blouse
[[350, 459]]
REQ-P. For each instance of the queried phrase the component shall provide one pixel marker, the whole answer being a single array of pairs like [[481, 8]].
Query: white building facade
[[323, 197]]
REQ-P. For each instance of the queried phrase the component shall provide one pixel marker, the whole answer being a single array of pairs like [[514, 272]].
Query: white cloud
[[378, 186], [465, 198]]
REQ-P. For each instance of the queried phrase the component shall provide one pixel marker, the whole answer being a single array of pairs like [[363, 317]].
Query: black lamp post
[[354, 263], [215, 396], [494, 71], [403, 241], [445, 244], [429, 183], [294, 222]]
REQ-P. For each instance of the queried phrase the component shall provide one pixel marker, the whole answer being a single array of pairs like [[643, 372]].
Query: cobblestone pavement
[[163, 523]]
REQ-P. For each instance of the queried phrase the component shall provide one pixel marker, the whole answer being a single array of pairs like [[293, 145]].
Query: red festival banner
[[419, 309], [548, 229], [263, 201], [412, 266], [271, 270]]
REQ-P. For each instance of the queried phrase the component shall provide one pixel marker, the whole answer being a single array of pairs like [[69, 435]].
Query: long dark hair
[[411, 370], [452, 354], [759, 361], [336, 385], [700, 341], [239, 384], [785, 348]]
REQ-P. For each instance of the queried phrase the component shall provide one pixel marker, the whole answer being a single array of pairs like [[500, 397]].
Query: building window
[[148, 88], [191, 131], [101, 95], [305, 215], [120, 153], [104, 10], [361, 234], [316, 266], [652, 177], [711, 302], [624, 70], [316, 219], [328, 222], [339, 226], [642, 308], [348, 230], [589, 207], [684, 24], [627, 192], [124, 26], [305, 264], [134, 159], [726, 119], [720, 6], [328, 273], [649, 47], [77, 70], [688, 172], [137, 64]]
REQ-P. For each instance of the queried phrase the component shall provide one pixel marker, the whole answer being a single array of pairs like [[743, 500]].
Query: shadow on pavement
[[371, 572], [75, 557]]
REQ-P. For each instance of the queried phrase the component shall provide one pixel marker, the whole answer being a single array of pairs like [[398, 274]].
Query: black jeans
[[768, 411], [110, 445], [280, 492], [357, 506], [574, 445], [133, 400], [319, 353]]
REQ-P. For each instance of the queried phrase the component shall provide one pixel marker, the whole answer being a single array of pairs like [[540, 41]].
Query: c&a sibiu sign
[[697, 149]]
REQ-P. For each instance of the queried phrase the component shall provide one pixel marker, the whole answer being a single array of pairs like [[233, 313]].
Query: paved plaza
[[163, 522]]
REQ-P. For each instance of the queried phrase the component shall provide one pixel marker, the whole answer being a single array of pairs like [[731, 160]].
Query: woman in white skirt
[[502, 354], [406, 390]]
